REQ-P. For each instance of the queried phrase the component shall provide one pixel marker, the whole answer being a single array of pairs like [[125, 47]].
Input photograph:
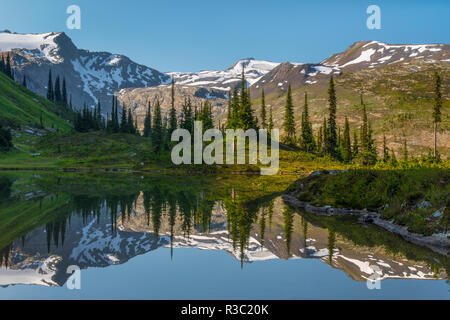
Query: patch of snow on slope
[[43, 42], [365, 56]]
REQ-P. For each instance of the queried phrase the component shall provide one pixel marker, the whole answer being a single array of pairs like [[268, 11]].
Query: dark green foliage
[[332, 127], [346, 148], [187, 121], [5, 139], [50, 94], [270, 123], [263, 111], [148, 121], [157, 128], [307, 141], [173, 123], [396, 194], [289, 123], [57, 90]]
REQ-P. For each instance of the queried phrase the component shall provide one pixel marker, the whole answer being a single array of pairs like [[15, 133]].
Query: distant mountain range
[[90, 76], [93, 76]]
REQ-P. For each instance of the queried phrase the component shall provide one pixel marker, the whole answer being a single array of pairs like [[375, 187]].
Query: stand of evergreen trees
[[5, 139], [5, 66]]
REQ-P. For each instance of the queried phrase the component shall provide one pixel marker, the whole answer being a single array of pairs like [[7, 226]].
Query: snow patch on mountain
[[43, 42]]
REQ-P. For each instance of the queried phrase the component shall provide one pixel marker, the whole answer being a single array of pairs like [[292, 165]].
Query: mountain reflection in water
[[49, 222]]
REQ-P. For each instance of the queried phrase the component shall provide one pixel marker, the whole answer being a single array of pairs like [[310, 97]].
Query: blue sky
[[210, 34]]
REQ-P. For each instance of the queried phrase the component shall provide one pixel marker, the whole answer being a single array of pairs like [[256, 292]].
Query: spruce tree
[[270, 123], [187, 122], [157, 128], [436, 109], [385, 150], [57, 90], [130, 123], [308, 143], [405, 150], [173, 113], [289, 123], [50, 95], [229, 109], [355, 148], [263, 110], [99, 118], [8, 70], [24, 82], [332, 132], [148, 122], [5, 139], [319, 147], [346, 144], [64, 93], [235, 112], [246, 117], [206, 116], [124, 121]]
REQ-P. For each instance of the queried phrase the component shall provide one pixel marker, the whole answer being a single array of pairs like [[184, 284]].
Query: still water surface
[[177, 237]]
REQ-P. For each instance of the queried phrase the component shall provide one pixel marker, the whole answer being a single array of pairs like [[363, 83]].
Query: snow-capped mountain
[[227, 79], [90, 76], [372, 54]]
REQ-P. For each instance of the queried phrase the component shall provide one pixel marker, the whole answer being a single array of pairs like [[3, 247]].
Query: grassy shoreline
[[418, 198]]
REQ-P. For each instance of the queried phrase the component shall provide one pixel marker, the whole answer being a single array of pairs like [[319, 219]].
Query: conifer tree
[[289, 124], [436, 108], [229, 109], [157, 128], [50, 95], [246, 117], [130, 123], [5, 139], [2, 64], [187, 121], [270, 123], [405, 150], [116, 114], [263, 110], [124, 121], [331, 131], [393, 158], [173, 113], [385, 150], [355, 148], [148, 121], [64, 92], [8, 70], [99, 118], [308, 143], [24, 82], [206, 116], [346, 144], [57, 90], [319, 146]]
